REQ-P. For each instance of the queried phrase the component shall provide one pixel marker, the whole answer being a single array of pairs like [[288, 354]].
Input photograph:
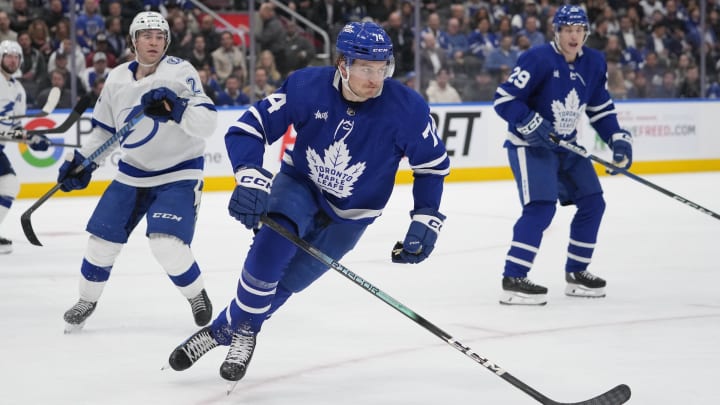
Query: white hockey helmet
[[149, 20], [10, 47]]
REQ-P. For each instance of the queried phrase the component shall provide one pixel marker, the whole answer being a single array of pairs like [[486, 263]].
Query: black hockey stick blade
[[50, 104], [25, 220], [74, 116], [616, 396], [582, 152]]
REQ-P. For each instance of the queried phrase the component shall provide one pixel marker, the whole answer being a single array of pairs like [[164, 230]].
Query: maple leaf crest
[[567, 114], [333, 173]]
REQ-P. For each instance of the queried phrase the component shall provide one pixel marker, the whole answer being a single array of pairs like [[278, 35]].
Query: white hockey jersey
[[154, 152], [12, 103]]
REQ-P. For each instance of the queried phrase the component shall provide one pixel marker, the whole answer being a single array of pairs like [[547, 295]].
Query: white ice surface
[[658, 330]]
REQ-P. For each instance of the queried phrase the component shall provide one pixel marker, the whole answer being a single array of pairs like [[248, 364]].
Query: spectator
[[440, 90], [89, 22], [53, 14], [267, 60], [454, 42], [116, 40], [481, 41], [616, 82], [641, 88], [181, 40], [599, 35], [402, 40], [57, 79], [432, 59], [532, 31], [98, 69], [653, 69], [271, 36], [668, 87], [530, 8], [433, 26], [199, 56], [33, 67], [227, 57], [613, 52], [231, 95], [482, 88], [21, 15], [207, 85], [299, 51], [60, 63], [76, 59], [690, 86], [60, 32], [628, 33], [6, 33], [503, 56], [209, 32], [101, 45], [96, 90], [40, 37], [260, 89]]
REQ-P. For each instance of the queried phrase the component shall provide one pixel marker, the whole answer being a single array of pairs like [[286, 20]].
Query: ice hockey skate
[[192, 349], [522, 291], [238, 358], [5, 246], [76, 316], [201, 308], [584, 284]]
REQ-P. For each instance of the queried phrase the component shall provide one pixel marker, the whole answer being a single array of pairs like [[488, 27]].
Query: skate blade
[[515, 298], [73, 328], [575, 290], [231, 386]]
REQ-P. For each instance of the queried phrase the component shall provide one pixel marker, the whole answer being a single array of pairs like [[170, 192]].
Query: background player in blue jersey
[[12, 103], [545, 95], [160, 173], [353, 128]]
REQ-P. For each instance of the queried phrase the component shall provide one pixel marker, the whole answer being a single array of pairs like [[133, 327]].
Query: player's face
[[570, 40], [150, 46], [10, 62], [366, 77]]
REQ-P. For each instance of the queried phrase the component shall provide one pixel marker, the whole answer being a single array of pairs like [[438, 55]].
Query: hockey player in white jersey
[[160, 174], [545, 95], [353, 128], [12, 103]]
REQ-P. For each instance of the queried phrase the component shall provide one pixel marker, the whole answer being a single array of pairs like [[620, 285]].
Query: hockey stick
[[584, 153], [23, 140], [25, 220], [50, 104], [616, 396]]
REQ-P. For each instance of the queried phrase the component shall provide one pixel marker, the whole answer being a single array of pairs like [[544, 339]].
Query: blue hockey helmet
[[571, 15], [365, 40]]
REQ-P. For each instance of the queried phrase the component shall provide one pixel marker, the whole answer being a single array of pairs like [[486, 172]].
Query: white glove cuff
[[253, 178], [621, 136], [430, 221]]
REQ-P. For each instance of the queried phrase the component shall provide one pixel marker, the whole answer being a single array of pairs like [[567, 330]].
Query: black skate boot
[[76, 316], [584, 284], [238, 357], [201, 308], [192, 349], [522, 291], [5, 246]]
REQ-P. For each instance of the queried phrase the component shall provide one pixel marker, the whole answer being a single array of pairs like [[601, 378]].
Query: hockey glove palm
[[249, 201], [536, 130], [163, 104], [421, 236], [39, 142], [73, 174], [621, 145]]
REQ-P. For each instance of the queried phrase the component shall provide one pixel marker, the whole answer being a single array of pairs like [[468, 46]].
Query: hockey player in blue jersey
[[353, 128], [545, 96], [160, 172]]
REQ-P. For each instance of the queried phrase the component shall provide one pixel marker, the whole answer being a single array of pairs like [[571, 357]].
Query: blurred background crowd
[[448, 50]]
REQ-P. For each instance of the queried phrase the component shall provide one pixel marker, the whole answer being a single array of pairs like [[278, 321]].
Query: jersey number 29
[[519, 77]]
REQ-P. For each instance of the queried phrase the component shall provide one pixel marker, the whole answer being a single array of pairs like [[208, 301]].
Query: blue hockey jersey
[[349, 152], [544, 82]]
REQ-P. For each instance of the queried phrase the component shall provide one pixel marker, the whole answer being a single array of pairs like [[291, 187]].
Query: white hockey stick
[[50, 104]]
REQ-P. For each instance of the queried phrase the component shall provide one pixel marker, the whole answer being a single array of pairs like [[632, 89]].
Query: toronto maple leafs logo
[[333, 172], [567, 114]]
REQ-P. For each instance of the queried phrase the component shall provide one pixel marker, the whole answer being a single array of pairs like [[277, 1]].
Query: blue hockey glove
[[421, 236], [249, 201], [621, 145], [163, 104], [39, 142], [536, 131], [73, 175]]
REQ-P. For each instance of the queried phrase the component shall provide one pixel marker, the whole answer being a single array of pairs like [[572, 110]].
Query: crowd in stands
[[653, 48]]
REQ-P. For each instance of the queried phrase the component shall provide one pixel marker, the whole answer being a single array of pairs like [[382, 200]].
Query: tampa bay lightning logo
[[6, 110], [146, 138]]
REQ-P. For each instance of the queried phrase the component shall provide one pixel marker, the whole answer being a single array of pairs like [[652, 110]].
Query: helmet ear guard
[[366, 41]]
